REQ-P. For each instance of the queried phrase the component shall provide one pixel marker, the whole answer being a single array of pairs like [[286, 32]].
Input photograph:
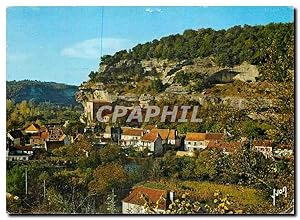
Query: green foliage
[[182, 78], [21, 114], [181, 205], [206, 164], [222, 205], [157, 85], [229, 47], [202, 191], [38, 91], [106, 177], [15, 180]]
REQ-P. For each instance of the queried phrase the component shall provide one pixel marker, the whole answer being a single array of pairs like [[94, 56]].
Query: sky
[[63, 44]]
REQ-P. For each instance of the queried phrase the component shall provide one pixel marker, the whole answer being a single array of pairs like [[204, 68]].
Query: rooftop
[[133, 132], [135, 197], [151, 136]]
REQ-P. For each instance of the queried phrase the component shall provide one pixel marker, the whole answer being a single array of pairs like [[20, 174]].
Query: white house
[[194, 141], [265, 147], [153, 142], [131, 136], [199, 141], [283, 151], [134, 203]]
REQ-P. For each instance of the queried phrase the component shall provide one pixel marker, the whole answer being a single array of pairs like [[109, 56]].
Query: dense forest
[[228, 47], [38, 92]]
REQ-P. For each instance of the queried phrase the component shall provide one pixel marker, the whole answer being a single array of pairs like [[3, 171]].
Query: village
[[28, 143], [36, 140], [190, 115]]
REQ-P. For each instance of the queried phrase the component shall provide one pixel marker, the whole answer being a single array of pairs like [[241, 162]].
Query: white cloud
[[153, 10], [90, 49]]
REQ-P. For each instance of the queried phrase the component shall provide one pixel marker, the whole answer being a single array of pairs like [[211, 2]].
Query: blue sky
[[62, 44]]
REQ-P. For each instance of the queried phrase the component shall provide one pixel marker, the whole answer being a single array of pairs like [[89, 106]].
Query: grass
[[203, 191]]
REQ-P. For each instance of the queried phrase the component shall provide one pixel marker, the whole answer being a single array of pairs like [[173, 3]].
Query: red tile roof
[[214, 136], [164, 133], [135, 197], [151, 136], [133, 132], [45, 135], [172, 134], [195, 136], [230, 146], [149, 127], [24, 148], [265, 143], [203, 136]]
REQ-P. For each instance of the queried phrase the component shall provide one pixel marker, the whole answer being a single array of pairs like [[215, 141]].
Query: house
[[194, 141], [23, 157], [173, 139], [107, 118], [148, 128], [19, 153], [20, 150], [16, 138], [33, 129], [227, 148], [199, 141], [283, 150], [55, 133], [214, 137], [168, 136], [131, 136], [263, 146], [65, 139], [164, 134], [153, 142], [39, 139], [134, 202]]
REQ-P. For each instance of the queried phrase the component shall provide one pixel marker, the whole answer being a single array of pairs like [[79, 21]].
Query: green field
[[244, 197]]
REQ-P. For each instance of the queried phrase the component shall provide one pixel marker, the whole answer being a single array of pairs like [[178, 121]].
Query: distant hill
[[38, 91]]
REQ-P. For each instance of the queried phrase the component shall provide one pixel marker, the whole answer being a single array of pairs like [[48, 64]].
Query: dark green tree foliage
[[229, 47], [157, 85]]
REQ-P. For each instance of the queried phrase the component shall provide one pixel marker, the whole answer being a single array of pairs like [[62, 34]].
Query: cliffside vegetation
[[226, 48]]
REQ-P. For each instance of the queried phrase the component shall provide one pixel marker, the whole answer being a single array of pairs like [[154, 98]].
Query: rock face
[[94, 93], [166, 69], [91, 94]]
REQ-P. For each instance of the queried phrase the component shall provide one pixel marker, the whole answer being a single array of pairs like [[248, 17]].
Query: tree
[[15, 180], [157, 85], [222, 205], [111, 203], [205, 165], [107, 177]]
